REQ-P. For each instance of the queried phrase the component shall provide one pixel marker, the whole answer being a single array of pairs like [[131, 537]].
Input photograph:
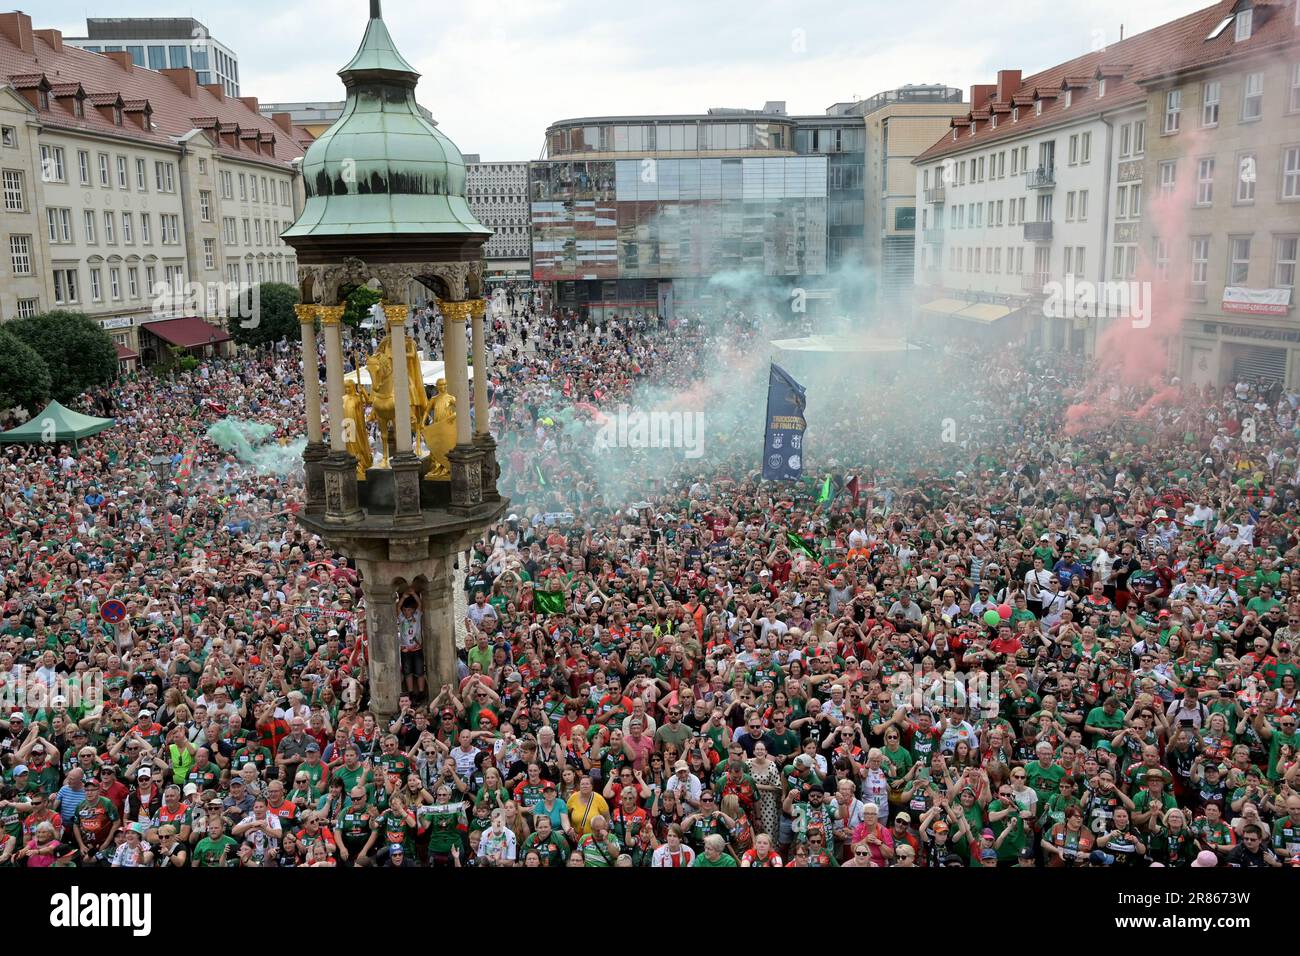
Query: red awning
[[124, 353], [187, 333]]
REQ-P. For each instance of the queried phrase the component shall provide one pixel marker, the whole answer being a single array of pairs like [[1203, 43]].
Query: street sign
[[112, 611]]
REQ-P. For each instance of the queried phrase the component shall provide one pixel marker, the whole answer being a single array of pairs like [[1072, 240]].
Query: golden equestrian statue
[[440, 432], [415, 385], [383, 407], [355, 435]]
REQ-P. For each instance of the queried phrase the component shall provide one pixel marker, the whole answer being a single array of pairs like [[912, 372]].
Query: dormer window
[[1038, 107], [117, 116], [1101, 87], [993, 121], [42, 100], [954, 135], [1069, 98], [79, 107], [1244, 22], [1015, 114]]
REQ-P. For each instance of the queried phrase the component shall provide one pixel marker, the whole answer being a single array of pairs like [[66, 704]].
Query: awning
[[124, 354], [187, 333], [55, 423], [945, 306], [983, 312]]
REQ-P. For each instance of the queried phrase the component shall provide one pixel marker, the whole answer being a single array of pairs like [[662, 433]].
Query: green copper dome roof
[[382, 168]]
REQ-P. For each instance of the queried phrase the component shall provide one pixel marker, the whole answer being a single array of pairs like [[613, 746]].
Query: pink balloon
[[1004, 611]]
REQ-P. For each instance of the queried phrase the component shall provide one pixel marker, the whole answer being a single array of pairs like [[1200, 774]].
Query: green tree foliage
[[267, 317], [77, 351], [24, 376]]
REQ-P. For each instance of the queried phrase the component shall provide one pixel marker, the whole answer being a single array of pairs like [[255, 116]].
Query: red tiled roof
[[124, 353], [1169, 48], [186, 333], [100, 75]]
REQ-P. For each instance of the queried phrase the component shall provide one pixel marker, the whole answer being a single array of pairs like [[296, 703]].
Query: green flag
[[549, 602], [541, 480], [800, 544], [825, 496]]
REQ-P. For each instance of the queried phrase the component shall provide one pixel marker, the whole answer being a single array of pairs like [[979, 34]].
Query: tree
[[24, 376], [358, 303], [267, 317], [77, 351]]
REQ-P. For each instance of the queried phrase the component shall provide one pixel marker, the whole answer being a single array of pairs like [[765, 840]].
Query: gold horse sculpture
[[383, 407]]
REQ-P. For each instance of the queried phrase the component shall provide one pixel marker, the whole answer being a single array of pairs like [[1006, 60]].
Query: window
[[1252, 106], [1139, 137], [123, 181], [20, 255], [145, 230], [1293, 101], [226, 192], [157, 58], [1291, 172], [1101, 87], [164, 177], [9, 137], [133, 282], [1168, 169], [96, 285], [1222, 25], [1074, 150], [253, 188], [141, 180], [52, 164], [243, 188], [1247, 173], [103, 169], [1173, 110], [1121, 202], [1085, 148], [110, 233], [1238, 260], [1125, 140], [1210, 104], [150, 278], [28, 307], [65, 286], [1200, 250], [15, 195], [203, 166], [127, 232], [209, 254], [115, 283], [257, 229], [1161, 249], [1285, 255], [1015, 114], [248, 233], [1069, 212], [1083, 205], [1069, 98], [1205, 181], [83, 167], [284, 185], [169, 228], [88, 224], [1244, 18]]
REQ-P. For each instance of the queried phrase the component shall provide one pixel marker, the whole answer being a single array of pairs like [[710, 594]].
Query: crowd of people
[[1018, 645]]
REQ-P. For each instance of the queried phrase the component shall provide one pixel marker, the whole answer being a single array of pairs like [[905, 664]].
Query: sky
[[496, 73]]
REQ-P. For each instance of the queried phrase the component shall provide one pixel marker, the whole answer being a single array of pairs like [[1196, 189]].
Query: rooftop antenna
[[1121, 27]]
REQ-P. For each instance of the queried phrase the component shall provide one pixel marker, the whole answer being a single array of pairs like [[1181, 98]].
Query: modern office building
[[119, 179], [497, 194], [162, 43], [646, 212], [1223, 163]]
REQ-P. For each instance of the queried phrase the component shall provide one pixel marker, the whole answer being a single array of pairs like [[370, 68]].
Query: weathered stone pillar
[[385, 668], [340, 466], [313, 455], [438, 624], [465, 459], [405, 464], [483, 440]]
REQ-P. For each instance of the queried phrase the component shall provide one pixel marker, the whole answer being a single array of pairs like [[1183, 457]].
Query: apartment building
[[1223, 161], [497, 194], [120, 180]]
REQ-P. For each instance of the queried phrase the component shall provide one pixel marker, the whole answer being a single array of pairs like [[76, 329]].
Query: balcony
[[1044, 177], [1038, 231], [934, 236], [934, 195], [1033, 282]]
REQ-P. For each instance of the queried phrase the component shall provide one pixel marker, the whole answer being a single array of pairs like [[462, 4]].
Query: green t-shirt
[[1097, 718], [208, 852], [725, 860], [1046, 781], [1012, 845]]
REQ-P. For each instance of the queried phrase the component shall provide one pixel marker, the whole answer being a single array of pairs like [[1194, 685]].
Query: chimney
[[1008, 85], [53, 37], [284, 121], [16, 27], [122, 59], [981, 94], [250, 102], [216, 89], [186, 80]]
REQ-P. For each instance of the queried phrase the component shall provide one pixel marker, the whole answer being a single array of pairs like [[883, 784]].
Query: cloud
[[496, 73]]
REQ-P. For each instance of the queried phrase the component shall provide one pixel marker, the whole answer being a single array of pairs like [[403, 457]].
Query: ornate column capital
[[397, 315], [306, 313], [478, 308], [330, 314], [455, 311]]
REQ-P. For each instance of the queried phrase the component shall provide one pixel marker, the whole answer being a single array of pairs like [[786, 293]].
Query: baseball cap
[[143, 773], [681, 765], [20, 769], [906, 818], [1206, 858], [191, 789]]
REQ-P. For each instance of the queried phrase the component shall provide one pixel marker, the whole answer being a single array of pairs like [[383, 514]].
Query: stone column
[[313, 454], [465, 459], [483, 440], [405, 464], [341, 501], [384, 666], [438, 625]]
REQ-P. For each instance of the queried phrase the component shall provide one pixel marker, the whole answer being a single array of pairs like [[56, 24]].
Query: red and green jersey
[[95, 818]]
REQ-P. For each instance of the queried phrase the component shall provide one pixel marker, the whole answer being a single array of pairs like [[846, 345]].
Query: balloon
[[283, 627], [1004, 611], [992, 618]]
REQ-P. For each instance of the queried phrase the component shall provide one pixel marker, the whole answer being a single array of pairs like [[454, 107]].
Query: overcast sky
[[497, 72]]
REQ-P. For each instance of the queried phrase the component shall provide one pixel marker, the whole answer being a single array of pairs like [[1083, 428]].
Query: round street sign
[[112, 611]]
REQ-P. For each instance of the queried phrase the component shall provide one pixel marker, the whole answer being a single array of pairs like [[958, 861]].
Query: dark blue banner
[[783, 437]]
